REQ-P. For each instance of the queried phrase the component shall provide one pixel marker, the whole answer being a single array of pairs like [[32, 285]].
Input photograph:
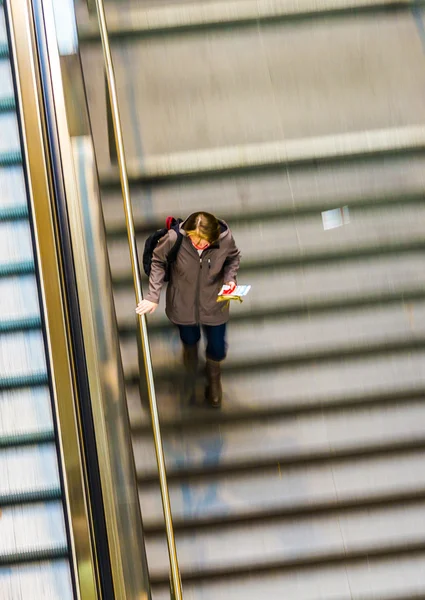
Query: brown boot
[[213, 392], [190, 361]]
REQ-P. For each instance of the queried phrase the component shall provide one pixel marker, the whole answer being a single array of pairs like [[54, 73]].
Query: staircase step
[[31, 471], [335, 355], [244, 445], [36, 580], [302, 261], [301, 153], [278, 311], [3, 35], [393, 577], [293, 490], [261, 212], [7, 91], [303, 385], [283, 192], [300, 339], [32, 533], [288, 86], [9, 141], [170, 16], [298, 238], [174, 414], [291, 541], [18, 299], [15, 243], [22, 354], [333, 287], [12, 188]]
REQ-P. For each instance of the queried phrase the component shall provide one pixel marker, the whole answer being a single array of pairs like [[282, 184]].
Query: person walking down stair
[[207, 258]]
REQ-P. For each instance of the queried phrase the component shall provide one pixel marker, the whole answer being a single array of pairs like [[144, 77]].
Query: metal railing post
[[113, 97]]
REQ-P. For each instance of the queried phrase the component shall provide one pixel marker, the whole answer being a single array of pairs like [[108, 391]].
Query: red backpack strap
[[169, 222]]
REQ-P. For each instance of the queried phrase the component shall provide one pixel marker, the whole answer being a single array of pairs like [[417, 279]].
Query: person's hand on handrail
[[145, 307]]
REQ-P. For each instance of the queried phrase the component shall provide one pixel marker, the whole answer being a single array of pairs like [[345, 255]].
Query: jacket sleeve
[[159, 261], [231, 265]]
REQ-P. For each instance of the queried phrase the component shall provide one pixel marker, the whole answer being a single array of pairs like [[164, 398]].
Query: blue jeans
[[216, 338]]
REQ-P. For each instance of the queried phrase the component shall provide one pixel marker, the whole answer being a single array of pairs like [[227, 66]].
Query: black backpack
[[152, 241]]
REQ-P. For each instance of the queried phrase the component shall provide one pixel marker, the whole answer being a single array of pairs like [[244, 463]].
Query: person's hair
[[203, 224]]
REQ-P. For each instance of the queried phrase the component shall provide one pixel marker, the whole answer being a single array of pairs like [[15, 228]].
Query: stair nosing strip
[[311, 150], [305, 510], [295, 309], [295, 408], [4, 51], [10, 159], [117, 230], [299, 466], [317, 355], [172, 19], [25, 267], [306, 259], [14, 213], [23, 381], [285, 460], [35, 438], [22, 324], [7, 104], [319, 559], [35, 555], [30, 497]]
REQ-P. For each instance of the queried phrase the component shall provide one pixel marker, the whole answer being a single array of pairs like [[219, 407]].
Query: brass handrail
[[112, 90]]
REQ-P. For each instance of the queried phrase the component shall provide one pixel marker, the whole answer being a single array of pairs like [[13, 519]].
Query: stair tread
[[12, 184], [366, 183], [34, 580], [9, 141], [286, 489], [262, 240], [301, 539], [7, 96], [25, 412], [230, 445], [272, 340], [149, 17], [252, 391], [319, 285], [28, 470], [19, 298], [23, 354], [31, 529], [15, 243], [393, 578]]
